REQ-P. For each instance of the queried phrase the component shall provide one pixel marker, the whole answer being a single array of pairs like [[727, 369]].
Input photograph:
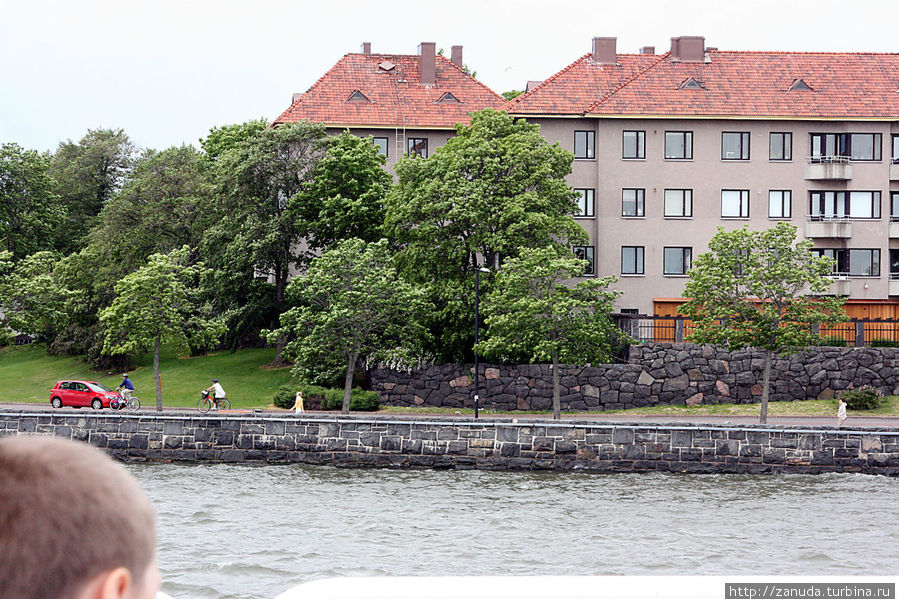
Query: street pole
[[477, 293]]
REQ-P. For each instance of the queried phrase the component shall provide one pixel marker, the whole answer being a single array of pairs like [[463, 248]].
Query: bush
[[5, 337], [883, 342], [321, 398], [865, 397]]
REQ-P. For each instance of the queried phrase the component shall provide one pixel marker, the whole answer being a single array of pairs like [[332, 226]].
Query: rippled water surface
[[254, 531]]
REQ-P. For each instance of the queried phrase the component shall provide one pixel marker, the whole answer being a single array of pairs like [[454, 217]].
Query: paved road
[[852, 421]]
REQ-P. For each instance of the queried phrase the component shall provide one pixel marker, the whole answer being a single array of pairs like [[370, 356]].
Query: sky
[[166, 71]]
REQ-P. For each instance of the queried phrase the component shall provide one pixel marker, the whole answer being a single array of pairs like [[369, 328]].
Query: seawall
[[464, 443]]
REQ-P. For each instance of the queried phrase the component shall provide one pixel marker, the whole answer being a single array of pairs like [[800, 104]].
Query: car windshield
[[97, 387]]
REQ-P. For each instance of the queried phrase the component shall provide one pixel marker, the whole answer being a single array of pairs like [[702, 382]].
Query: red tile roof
[[735, 84], [397, 97]]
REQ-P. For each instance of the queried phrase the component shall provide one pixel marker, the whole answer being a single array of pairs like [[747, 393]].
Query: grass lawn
[[27, 373]]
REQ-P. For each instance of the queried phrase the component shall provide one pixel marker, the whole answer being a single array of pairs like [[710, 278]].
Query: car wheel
[[56, 402], [97, 404]]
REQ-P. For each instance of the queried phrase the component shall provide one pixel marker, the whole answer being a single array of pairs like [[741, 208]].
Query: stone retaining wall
[[466, 443], [660, 373]]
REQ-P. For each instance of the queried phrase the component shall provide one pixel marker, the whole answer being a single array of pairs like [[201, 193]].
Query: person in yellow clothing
[[298, 404]]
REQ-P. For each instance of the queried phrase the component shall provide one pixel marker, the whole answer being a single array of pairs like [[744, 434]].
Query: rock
[[723, 388], [645, 378], [756, 389], [826, 394], [460, 381], [491, 373], [694, 400]]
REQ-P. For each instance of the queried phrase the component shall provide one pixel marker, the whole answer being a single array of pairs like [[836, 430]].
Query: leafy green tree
[[495, 188], [532, 312], [30, 211], [345, 196], [222, 139], [512, 94], [352, 306], [155, 304], [89, 173], [751, 289], [31, 298]]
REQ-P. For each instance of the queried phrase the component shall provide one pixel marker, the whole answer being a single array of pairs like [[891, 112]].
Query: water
[[254, 531]]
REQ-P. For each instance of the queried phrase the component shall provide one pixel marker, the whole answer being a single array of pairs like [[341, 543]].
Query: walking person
[[298, 404], [841, 413]]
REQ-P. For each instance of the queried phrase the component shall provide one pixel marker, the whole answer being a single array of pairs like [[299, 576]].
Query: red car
[[81, 394]]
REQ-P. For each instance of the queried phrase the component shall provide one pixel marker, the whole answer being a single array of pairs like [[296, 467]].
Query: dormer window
[[358, 96], [692, 83], [799, 85], [448, 98]]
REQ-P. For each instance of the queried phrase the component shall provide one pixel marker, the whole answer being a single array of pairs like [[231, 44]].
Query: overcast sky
[[166, 71]]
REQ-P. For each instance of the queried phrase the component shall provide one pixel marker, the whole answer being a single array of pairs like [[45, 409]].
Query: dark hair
[[67, 514], [215, 380]]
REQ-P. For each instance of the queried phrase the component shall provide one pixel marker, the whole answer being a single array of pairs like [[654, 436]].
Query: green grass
[[27, 373]]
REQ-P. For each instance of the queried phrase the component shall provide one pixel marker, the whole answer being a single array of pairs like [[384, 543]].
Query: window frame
[[640, 144], [786, 146], [786, 200], [410, 147], [386, 153], [894, 154], [589, 144], [894, 263], [894, 206], [639, 202], [687, 136], [842, 258], [684, 203], [744, 145], [744, 204], [685, 264], [589, 256], [589, 193], [842, 145], [639, 260], [842, 204]]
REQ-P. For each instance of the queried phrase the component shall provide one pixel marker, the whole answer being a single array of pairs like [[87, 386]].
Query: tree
[[751, 289], [344, 197], [89, 173], [156, 304], [30, 212], [31, 298], [531, 312], [222, 139], [352, 306], [495, 188], [512, 94]]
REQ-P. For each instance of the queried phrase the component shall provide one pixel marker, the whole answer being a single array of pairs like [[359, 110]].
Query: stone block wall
[[496, 444], [660, 373]]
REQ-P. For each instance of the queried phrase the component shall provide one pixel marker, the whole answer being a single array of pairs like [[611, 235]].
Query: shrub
[[865, 397], [321, 398], [5, 337], [884, 342]]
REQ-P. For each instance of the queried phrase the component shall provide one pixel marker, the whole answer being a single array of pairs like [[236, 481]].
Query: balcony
[[840, 285], [894, 170], [828, 227], [828, 168], [894, 227], [894, 283]]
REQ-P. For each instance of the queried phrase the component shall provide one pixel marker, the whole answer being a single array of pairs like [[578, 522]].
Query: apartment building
[[408, 103], [668, 147]]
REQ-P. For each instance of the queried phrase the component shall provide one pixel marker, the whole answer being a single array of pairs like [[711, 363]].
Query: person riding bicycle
[[218, 393], [126, 387]]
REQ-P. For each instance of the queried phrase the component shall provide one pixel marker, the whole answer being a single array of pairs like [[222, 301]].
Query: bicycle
[[132, 402], [207, 403]]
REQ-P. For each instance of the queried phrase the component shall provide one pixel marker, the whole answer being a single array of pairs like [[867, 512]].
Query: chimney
[[688, 48], [366, 48], [604, 50], [296, 97], [426, 59], [648, 50], [456, 55]]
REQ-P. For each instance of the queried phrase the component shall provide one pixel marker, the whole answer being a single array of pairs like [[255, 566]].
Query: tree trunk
[[156, 376], [766, 383], [348, 383], [556, 403], [279, 361]]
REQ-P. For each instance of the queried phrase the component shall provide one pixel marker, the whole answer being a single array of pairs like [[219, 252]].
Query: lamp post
[[477, 301]]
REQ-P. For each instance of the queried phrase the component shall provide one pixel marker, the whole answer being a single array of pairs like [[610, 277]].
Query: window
[[584, 144], [894, 206], [855, 146], [855, 263], [780, 146], [894, 264], [679, 203], [896, 149], [632, 260], [633, 144], [780, 203], [734, 146], [632, 202], [417, 146], [679, 145], [844, 204], [381, 144], [677, 261], [585, 202], [734, 203], [585, 252]]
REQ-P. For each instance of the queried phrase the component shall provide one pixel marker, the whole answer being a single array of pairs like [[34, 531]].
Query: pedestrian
[[841, 413], [298, 404]]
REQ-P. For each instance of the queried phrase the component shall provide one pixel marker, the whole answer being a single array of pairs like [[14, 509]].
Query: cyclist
[[217, 393], [126, 387]]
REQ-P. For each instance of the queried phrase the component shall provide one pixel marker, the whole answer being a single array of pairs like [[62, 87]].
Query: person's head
[[124, 376], [73, 524], [215, 380]]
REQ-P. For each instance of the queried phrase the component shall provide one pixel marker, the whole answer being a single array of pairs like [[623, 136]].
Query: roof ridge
[[804, 52], [473, 78], [627, 82], [520, 98]]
